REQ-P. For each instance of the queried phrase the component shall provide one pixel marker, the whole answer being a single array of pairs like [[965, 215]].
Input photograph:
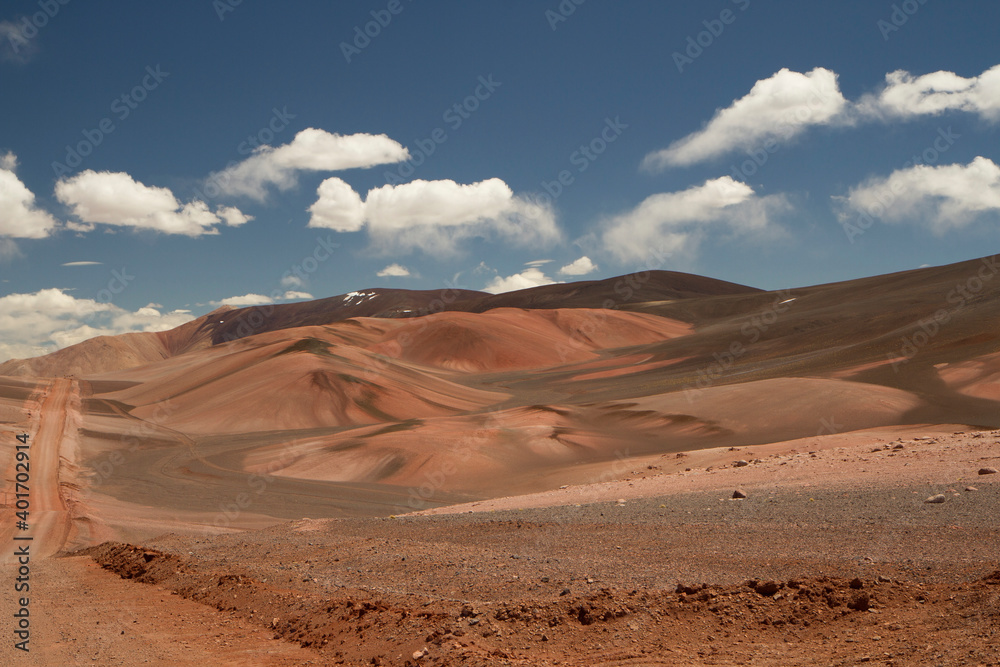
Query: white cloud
[[82, 264], [50, 319], [259, 299], [944, 197], [292, 281], [245, 300], [905, 95], [395, 271], [434, 216], [776, 109], [531, 277], [538, 262], [310, 150], [233, 216], [787, 103], [579, 267], [115, 198], [339, 207], [674, 222], [19, 217], [14, 46]]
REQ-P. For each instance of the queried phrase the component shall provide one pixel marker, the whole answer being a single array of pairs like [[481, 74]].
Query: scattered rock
[[768, 588], [860, 602], [899, 446], [417, 655], [565, 591], [739, 493], [971, 488], [857, 584], [987, 471], [740, 463], [621, 501], [938, 498]]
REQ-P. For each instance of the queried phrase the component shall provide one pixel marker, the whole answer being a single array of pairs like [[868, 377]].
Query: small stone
[[565, 591], [939, 498], [621, 501], [899, 446], [987, 471], [740, 463], [739, 493], [860, 602], [417, 655], [857, 584], [767, 588], [971, 488]]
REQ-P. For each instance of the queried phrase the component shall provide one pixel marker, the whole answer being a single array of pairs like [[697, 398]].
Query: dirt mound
[[685, 624]]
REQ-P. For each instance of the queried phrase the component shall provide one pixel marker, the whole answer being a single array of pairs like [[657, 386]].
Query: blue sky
[[767, 143]]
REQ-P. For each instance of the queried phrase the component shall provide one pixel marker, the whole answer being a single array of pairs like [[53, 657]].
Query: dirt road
[[49, 518]]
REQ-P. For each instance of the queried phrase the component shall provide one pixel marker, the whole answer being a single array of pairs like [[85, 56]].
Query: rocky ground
[[834, 557], [841, 561]]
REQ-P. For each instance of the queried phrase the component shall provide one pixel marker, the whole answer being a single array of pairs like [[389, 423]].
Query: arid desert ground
[[656, 469]]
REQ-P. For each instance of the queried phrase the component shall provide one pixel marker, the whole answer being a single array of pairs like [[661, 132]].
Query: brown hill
[[103, 354]]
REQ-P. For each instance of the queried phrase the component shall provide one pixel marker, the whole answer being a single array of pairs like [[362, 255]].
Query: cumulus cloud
[[310, 150], [394, 271], [339, 207], [50, 319], [778, 108], [292, 281], [675, 222], [579, 267], [19, 217], [115, 198], [530, 277], [434, 216], [786, 104], [906, 96], [944, 197], [260, 299]]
